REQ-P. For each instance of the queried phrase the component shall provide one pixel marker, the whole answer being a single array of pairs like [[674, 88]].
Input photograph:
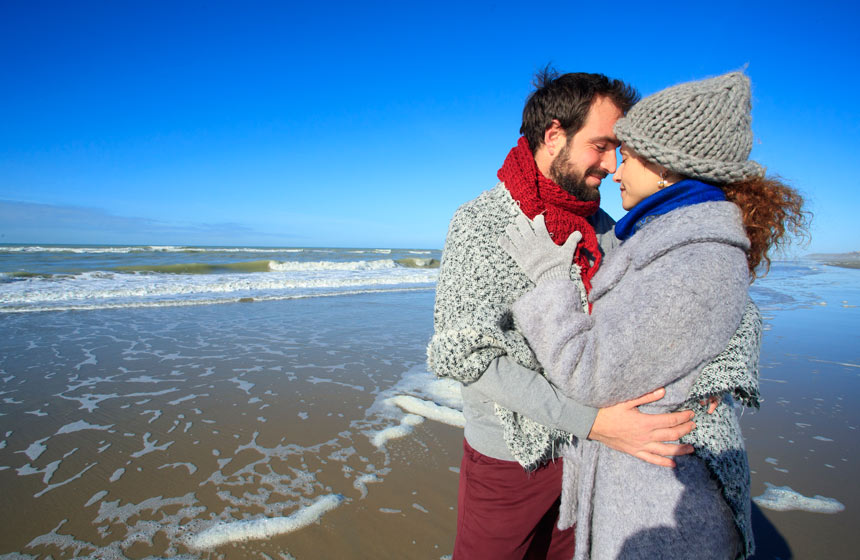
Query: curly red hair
[[770, 209]]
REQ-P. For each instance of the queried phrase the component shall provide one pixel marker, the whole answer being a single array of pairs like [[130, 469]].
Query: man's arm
[[473, 298], [621, 427]]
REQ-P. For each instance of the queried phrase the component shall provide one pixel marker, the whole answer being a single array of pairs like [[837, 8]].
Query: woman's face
[[638, 178]]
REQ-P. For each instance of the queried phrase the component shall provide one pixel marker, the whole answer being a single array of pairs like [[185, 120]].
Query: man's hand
[[623, 428]]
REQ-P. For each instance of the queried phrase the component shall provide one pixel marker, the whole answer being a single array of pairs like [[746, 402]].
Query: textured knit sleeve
[[473, 322], [656, 325], [735, 370]]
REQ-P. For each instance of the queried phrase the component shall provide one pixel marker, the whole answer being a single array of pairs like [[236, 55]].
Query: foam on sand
[[418, 395], [238, 531], [81, 425], [783, 498], [35, 450], [382, 437], [361, 482], [429, 410]]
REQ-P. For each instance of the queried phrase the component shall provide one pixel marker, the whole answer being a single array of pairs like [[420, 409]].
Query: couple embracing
[[602, 363]]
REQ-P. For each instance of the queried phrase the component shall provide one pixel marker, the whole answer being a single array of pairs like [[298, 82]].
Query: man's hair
[[568, 97]]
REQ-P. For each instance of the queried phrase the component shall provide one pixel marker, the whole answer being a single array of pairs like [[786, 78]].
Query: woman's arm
[[662, 320], [658, 324]]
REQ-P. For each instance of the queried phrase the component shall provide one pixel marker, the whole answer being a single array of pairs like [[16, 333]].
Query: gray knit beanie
[[698, 129]]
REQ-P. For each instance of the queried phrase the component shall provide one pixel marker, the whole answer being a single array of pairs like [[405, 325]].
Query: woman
[[701, 219]]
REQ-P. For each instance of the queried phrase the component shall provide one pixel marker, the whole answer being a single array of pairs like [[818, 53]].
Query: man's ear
[[554, 138]]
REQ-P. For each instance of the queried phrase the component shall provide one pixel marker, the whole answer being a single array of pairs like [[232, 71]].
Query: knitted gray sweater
[[473, 321], [665, 304]]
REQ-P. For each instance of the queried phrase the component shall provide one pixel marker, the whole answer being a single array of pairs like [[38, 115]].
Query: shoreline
[[842, 260]]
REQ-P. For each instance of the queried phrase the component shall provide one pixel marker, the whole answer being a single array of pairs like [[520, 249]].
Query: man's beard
[[568, 178]]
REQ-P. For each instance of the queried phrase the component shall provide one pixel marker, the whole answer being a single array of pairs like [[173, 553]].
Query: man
[[515, 420]]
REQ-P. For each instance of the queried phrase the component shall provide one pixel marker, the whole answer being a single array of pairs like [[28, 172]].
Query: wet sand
[[806, 435], [845, 260], [129, 433]]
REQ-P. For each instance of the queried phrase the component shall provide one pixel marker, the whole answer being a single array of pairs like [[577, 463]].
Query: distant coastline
[[845, 260]]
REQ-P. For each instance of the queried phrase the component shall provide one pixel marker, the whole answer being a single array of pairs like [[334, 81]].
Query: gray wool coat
[[665, 303]]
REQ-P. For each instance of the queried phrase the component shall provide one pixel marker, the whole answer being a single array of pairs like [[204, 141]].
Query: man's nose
[[609, 163]]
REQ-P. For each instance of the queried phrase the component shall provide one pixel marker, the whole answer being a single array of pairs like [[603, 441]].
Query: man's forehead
[[602, 116], [611, 139], [595, 137], [604, 104]]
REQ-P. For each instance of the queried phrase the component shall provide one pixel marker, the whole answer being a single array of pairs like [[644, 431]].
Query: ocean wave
[[241, 267], [264, 528], [105, 305], [20, 275], [259, 266], [418, 262], [96, 250], [91, 250], [97, 290], [198, 268], [383, 264]]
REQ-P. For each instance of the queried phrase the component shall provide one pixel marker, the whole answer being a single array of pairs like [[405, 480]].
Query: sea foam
[[385, 435], [430, 410], [82, 425], [783, 498], [418, 395], [255, 529]]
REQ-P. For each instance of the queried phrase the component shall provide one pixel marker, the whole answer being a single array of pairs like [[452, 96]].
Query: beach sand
[[805, 437], [845, 260], [131, 432], [142, 432]]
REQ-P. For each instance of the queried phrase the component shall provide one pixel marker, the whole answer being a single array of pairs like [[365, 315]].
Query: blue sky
[[365, 124]]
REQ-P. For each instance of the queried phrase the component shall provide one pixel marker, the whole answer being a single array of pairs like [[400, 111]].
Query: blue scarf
[[682, 193]]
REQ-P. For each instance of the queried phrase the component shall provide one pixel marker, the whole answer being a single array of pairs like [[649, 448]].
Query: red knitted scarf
[[564, 213]]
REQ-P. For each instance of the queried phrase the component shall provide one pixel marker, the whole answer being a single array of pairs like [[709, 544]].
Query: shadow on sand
[[769, 543]]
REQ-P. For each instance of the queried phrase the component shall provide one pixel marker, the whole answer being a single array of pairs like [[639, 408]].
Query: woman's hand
[[534, 250]]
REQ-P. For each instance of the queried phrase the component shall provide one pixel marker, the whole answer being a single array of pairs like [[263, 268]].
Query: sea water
[[59, 278]]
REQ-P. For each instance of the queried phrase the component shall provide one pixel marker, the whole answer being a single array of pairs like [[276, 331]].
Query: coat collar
[[708, 222]]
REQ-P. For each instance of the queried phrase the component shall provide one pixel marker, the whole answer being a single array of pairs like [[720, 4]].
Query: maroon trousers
[[505, 513]]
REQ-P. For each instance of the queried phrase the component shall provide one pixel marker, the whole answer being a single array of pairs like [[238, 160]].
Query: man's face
[[589, 156]]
